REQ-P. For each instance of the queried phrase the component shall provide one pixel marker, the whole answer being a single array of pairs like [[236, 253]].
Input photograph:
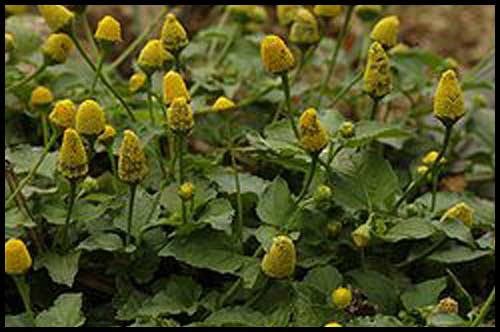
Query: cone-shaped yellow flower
[[313, 137], [108, 30], [386, 32], [17, 257], [132, 163], [9, 42], [361, 236], [154, 57], [333, 324], [449, 99], [72, 162], [447, 306], [377, 77], [462, 212], [180, 116], [280, 261], [330, 11], [368, 13], [41, 96], [276, 56], [186, 191], [57, 17], [342, 297], [286, 14], [174, 87], [305, 29], [63, 114], [173, 35], [90, 118], [16, 9], [430, 158], [108, 135], [137, 83], [223, 104], [57, 48]]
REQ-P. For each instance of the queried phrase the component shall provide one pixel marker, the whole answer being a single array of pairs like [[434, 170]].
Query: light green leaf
[[219, 215], [224, 177], [236, 316], [101, 241], [325, 279], [265, 235], [410, 229], [24, 157], [445, 320], [62, 269], [21, 320], [455, 229], [275, 204], [375, 321], [423, 294], [66, 312]]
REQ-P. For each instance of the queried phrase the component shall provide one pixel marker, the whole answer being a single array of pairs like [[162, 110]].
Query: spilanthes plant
[[107, 139], [460, 211], [377, 78], [223, 104], [329, 11], [137, 83], [368, 13], [386, 32], [174, 87], [279, 262], [41, 101], [57, 17], [63, 114], [57, 48], [90, 119], [10, 43], [342, 297], [333, 324], [286, 14], [305, 29], [174, 37]]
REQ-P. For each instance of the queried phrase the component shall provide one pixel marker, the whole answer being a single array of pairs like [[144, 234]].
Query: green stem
[[88, 34], [45, 130], [150, 101], [288, 100], [347, 88], [333, 153], [484, 310], [335, 54], [180, 155], [236, 33], [435, 176], [112, 161], [72, 195], [213, 43], [27, 79], [24, 291], [100, 62], [239, 225], [373, 114], [33, 170], [133, 189], [309, 179]]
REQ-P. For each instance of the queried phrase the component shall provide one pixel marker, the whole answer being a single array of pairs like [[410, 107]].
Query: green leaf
[[66, 312], [275, 204], [455, 229], [101, 241], [62, 269], [28, 40], [21, 320], [224, 177], [250, 272], [203, 193], [375, 321], [410, 229], [325, 279], [236, 316], [219, 215], [454, 253], [24, 157], [310, 308], [423, 294], [265, 235], [445, 320]]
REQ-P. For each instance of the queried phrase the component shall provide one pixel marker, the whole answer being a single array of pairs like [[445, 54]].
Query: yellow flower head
[[174, 87], [305, 29], [361, 236], [377, 77], [9, 42], [57, 48], [223, 104], [180, 116], [108, 135], [313, 136], [72, 161], [342, 297], [430, 158], [329, 11], [108, 30], [173, 35], [400, 49], [462, 212], [137, 83], [447, 306], [276, 56], [286, 14], [17, 257], [154, 57], [41, 96], [386, 32], [368, 13], [279, 262], [322, 194], [333, 324], [16, 9], [186, 191], [347, 130], [422, 170], [57, 17], [449, 99], [132, 163], [90, 118], [63, 114]]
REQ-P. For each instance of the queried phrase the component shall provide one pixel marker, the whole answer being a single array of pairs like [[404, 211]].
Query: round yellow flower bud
[[17, 257], [174, 87], [430, 159], [276, 56], [386, 32], [90, 118], [108, 30], [63, 114], [279, 262], [462, 212], [57, 17], [329, 11], [347, 130], [368, 13], [186, 191], [361, 236], [223, 104], [9, 42], [286, 14], [180, 116], [173, 35], [447, 306], [342, 297], [422, 170], [305, 29], [108, 135], [72, 161], [41, 96], [322, 194], [132, 163], [57, 48], [154, 57], [313, 137], [137, 83], [377, 77], [449, 99], [333, 324], [16, 9]]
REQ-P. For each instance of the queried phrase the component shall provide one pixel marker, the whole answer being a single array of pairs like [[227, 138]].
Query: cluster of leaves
[[197, 274]]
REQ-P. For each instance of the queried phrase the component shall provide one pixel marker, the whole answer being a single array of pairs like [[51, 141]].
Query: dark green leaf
[[423, 294], [66, 312]]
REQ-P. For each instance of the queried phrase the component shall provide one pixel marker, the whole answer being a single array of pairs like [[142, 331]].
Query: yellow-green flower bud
[[361, 236], [17, 257], [63, 114], [41, 96], [333, 324], [9, 42], [347, 130], [342, 297], [480, 101], [276, 56], [154, 57], [451, 63], [322, 194], [286, 14], [57, 17], [90, 119], [108, 30], [57, 48], [386, 32], [377, 77], [173, 35], [89, 185], [108, 136], [329, 11], [422, 170], [186, 191], [137, 83], [462, 212], [132, 163], [368, 13], [180, 116], [400, 49], [305, 29], [72, 161], [174, 87], [449, 99], [447, 306], [223, 104], [313, 137], [280, 261], [430, 159], [15, 9]]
